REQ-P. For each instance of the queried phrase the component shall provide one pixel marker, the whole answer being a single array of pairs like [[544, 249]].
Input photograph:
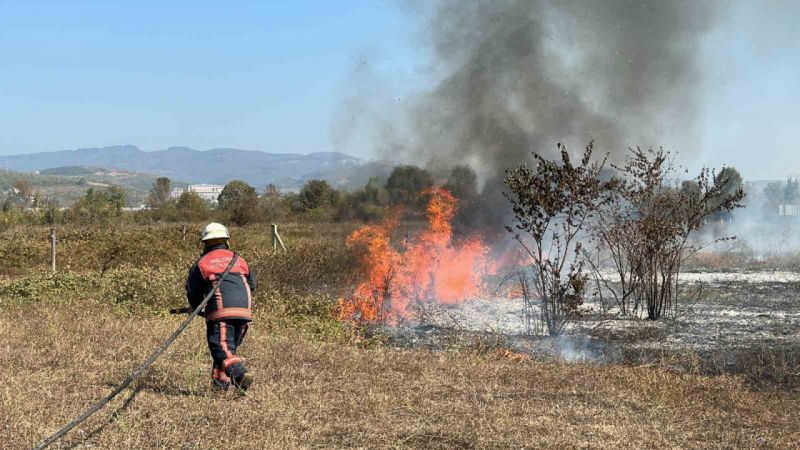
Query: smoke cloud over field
[[520, 75]]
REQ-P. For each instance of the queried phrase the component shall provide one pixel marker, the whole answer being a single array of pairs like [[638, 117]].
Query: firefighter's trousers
[[224, 338]]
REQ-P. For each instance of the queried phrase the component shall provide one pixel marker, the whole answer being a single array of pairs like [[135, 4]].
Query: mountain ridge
[[217, 165]]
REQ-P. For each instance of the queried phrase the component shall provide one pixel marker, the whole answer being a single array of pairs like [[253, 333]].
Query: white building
[[789, 210], [176, 192], [208, 192], [140, 207]]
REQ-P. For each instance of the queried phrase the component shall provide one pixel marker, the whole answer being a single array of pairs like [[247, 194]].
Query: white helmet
[[215, 230]]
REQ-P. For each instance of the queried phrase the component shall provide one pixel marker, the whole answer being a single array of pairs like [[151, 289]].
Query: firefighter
[[229, 312]]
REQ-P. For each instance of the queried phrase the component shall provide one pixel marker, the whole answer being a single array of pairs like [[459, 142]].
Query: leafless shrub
[[646, 225], [552, 203], [642, 218], [531, 310]]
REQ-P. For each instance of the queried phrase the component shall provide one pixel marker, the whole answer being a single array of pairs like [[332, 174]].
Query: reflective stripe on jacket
[[234, 299]]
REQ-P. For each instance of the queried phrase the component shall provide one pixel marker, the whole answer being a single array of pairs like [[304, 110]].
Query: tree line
[[317, 200], [239, 203]]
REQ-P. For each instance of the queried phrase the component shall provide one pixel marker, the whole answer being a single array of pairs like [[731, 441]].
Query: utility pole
[[53, 249], [276, 239]]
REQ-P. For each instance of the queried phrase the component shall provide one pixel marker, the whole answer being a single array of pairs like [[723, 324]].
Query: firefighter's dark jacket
[[234, 299]]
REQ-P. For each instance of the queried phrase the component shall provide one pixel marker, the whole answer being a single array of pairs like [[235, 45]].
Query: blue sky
[[258, 75], [274, 76], [751, 114]]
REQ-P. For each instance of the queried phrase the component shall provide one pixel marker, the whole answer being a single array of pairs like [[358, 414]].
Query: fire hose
[[133, 376]]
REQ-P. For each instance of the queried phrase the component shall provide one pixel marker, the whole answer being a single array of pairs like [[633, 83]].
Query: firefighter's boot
[[243, 381]]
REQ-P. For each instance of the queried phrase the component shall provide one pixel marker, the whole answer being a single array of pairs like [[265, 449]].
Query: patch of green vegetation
[[44, 286], [9, 177], [69, 171]]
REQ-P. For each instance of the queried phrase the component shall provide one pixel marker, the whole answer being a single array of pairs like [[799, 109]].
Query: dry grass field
[[67, 340], [56, 361]]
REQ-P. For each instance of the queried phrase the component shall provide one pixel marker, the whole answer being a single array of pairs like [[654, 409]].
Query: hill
[[132, 181], [67, 184], [287, 170]]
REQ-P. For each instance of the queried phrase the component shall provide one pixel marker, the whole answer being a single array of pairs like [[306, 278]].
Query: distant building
[[176, 192], [140, 207], [208, 192], [789, 210]]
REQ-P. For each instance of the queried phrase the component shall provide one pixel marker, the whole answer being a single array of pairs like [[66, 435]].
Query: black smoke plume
[[520, 75]]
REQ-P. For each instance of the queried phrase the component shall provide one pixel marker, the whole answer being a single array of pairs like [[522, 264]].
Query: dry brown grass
[[26, 249], [56, 360], [67, 340]]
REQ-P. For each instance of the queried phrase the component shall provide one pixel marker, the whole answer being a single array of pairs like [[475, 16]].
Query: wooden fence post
[[276, 239], [53, 249]]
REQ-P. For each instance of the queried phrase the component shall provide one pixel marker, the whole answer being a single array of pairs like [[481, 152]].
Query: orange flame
[[432, 269]]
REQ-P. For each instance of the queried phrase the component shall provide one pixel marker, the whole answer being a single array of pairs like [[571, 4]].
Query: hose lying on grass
[[140, 370]]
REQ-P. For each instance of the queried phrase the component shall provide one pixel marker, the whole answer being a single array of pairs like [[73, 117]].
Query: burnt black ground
[[740, 323]]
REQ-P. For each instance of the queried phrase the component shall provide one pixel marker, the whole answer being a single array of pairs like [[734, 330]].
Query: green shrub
[[145, 289], [307, 313], [21, 253], [59, 287]]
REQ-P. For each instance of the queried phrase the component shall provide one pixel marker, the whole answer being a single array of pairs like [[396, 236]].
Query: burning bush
[[431, 269]]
